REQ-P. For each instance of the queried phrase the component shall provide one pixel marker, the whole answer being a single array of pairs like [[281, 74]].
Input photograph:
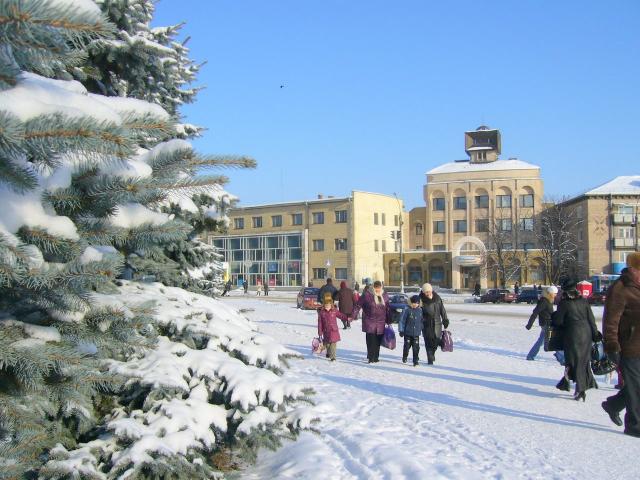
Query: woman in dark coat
[[375, 315], [576, 319], [434, 317], [346, 302]]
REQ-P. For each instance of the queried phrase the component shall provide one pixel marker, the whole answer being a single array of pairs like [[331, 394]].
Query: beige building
[[473, 205], [298, 243], [607, 229]]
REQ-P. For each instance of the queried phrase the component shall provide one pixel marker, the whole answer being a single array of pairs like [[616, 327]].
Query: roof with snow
[[624, 185], [464, 167]]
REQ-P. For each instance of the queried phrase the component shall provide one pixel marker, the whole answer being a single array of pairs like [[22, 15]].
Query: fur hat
[[426, 287], [568, 283], [415, 299], [633, 260], [552, 290]]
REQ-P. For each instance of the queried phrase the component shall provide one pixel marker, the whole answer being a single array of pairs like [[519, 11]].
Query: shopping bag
[[553, 339], [600, 364], [389, 338], [317, 346], [446, 342]]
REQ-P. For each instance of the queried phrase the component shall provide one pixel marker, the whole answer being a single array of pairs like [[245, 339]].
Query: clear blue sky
[[378, 92]]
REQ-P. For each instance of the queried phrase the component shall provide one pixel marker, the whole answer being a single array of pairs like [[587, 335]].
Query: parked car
[[498, 295], [308, 298], [528, 295], [597, 298], [398, 303]]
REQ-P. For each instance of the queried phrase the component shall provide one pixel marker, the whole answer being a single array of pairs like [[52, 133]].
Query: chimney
[[320, 196]]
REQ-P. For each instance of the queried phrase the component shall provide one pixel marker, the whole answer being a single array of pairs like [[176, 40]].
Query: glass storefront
[[275, 259]]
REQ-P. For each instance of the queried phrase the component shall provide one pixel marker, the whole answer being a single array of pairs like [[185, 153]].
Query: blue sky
[[378, 92]]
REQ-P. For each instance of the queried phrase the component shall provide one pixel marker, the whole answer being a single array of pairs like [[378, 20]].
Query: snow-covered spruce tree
[[79, 199], [140, 61]]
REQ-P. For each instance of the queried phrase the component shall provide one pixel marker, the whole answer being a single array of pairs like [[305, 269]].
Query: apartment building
[[469, 204], [302, 243]]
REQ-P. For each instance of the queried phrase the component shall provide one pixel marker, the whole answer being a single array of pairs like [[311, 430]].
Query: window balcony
[[623, 218], [624, 242]]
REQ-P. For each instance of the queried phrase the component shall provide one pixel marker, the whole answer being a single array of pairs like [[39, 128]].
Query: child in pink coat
[[328, 326]]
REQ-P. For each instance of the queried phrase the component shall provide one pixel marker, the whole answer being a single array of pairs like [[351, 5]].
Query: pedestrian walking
[[346, 303], [516, 288], [476, 289], [356, 287], [543, 311], [410, 327], [326, 288], [245, 287], [227, 288], [328, 326], [266, 289], [375, 315], [434, 318], [259, 289], [579, 331], [620, 324]]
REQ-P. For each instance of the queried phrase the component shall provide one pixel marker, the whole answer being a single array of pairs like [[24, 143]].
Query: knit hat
[[415, 299], [427, 287], [633, 260], [552, 290], [343, 284], [568, 284]]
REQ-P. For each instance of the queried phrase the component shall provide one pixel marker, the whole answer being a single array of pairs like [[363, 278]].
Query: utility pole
[[401, 222]]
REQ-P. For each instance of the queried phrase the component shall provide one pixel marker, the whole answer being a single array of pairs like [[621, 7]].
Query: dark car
[[308, 298], [597, 298], [497, 295], [398, 303], [528, 295]]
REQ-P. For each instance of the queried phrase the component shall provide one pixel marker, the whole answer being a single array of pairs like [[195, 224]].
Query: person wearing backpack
[[410, 327]]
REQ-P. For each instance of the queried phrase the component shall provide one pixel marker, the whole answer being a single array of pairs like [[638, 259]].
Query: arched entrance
[[414, 269], [469, 263]]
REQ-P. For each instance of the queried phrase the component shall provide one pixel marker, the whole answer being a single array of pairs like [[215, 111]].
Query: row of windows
[[322, 273], [340, 244], [296, 219], [482, 225], [381, 219], [482, 201]]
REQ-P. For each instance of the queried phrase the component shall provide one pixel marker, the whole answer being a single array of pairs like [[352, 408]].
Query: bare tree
[[557, 238], [502, 241]]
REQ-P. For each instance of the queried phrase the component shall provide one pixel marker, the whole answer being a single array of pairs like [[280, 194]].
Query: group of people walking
[[620, 324], [425, 316]]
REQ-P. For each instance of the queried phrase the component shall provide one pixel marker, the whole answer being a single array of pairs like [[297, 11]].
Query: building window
[[375, 246], [528, 246], [482, 225], [625, 209], [341, 216], [318, 245], [460, 226], [504, 224], [296, 219], [384, 218], [526, 224], [276, 221], [507, 246], [526, 200], [419, 229], [341, 243], [418, 247], [341, 273], [319, 273], [375, 218], [503, 201], [396, 220], [257, 222], [482, 201], [438, 226], [439, 248], [384, 245], [438, 203], [238, 223], [459, 203], [318, 217]]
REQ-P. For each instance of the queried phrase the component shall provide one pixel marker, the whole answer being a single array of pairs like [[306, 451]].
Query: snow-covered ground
[[482, 411]]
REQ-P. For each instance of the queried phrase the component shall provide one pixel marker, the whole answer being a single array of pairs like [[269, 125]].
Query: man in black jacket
[[327, 288]]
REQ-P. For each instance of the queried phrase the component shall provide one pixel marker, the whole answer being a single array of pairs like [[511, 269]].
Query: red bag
[[389, 338], [446, 342], [316, 345]]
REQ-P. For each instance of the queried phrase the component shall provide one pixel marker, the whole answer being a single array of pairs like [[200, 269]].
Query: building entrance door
[[470, 276]]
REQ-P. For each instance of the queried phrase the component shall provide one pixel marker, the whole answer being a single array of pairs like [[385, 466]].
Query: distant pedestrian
[[227, 288], [476, 290], [266, 289], [622, 344], [375, 315], [516, 288], [543, 311], [434, 318], [356, 287], [346, 303], [579, 332], [328, 326], [259, 290], [540, 289], [245, 287], [410, 327], [327, 288]]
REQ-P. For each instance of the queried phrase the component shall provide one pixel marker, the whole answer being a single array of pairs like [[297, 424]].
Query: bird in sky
[[281, 86]]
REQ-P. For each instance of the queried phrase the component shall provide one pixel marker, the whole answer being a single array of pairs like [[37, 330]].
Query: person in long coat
[[543, 311], [346, 303], [576, 319], [374, 303], [434, 318], [328, 326], [621, 328]]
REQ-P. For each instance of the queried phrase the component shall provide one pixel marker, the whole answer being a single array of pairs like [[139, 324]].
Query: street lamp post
[[526, 264], [400, 240]]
